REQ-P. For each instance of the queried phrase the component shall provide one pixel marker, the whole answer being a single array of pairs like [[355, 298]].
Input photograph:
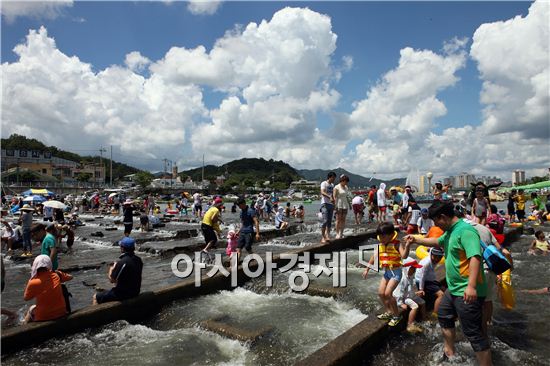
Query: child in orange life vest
[[390, 253]]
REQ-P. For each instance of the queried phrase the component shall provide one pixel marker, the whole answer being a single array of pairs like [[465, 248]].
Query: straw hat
[[27, 208]]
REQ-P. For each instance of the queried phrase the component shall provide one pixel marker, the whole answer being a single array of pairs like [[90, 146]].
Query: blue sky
[[371, 33]]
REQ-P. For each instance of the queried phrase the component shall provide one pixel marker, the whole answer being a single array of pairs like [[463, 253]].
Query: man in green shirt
[[49, 247], [466, 282]]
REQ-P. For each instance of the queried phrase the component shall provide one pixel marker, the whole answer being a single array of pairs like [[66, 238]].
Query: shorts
[[382, 208], [197, 207], [245, 241], [412, 229], [373, 208], [469, 315], [327, 211], [393, 274], [143, 220], [106, 296], [358, 208], [511, 210], [209, 234], [520, 214], [430, 289]]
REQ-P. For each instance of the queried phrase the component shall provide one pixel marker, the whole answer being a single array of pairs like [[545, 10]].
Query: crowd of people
[[455, 234]]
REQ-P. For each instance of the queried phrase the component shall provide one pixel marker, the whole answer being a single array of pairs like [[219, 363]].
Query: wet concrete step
[[230, 331]]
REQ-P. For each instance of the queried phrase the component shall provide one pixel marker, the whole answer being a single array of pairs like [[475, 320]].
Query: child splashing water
[[390, 253]]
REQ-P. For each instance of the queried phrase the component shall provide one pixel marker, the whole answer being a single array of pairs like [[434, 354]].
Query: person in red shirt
[[45, 286]]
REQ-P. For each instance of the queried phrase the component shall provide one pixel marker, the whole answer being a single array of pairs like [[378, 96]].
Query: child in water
[[390, 253], [405, 296], [480, 207], [540, 245]]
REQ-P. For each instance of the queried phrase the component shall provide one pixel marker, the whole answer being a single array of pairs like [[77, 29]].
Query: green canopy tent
[[528, 187]]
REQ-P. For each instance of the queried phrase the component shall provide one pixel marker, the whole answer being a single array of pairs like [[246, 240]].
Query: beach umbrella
[[41, 192], [55, 204], [113, 194], [34, 199]]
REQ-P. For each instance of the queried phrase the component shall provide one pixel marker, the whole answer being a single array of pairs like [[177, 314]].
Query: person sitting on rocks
[[125, 274], [45, 286]]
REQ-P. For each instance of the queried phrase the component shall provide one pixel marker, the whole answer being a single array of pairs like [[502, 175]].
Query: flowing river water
[[295, 324]]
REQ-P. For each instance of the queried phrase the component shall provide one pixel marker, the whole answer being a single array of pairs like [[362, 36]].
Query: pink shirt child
[[231, 243]]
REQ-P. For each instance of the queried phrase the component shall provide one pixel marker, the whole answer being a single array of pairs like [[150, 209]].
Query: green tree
[[83, 177], [143, 179], [537, 179]]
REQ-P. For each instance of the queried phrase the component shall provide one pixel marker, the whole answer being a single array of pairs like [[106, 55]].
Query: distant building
[[518, 177], [166, 183], [462, 180], [220, 180], [490, 180], [44, 163], [303, 184]]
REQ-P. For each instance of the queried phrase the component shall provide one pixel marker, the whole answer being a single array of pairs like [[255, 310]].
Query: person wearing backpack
[[467, 286], [46, 286]]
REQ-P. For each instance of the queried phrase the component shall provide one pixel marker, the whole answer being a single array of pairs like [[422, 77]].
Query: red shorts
[[412, 229], [382, 208], [358, 208]]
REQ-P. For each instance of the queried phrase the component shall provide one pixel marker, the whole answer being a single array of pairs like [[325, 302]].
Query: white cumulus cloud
[[514, 64], [35, 9], [203, 7]]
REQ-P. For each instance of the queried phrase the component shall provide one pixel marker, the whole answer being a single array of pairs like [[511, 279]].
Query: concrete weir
[[149, 303]]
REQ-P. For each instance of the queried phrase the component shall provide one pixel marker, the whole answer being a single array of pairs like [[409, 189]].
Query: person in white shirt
[[414, 214], [358, 205], [340, 195], [428, 286], [404, 293], [381, 201], [424, 223]]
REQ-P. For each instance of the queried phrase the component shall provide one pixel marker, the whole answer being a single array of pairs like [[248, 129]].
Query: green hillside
[[18, 142], [355, 181], [247, 172]]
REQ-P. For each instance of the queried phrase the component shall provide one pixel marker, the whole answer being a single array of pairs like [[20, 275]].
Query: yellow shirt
[[209, 220], [520, 200]]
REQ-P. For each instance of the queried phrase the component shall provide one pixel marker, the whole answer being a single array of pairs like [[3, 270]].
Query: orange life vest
[[388, 255]]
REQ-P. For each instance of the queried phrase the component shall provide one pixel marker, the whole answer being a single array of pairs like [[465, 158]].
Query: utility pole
[[202, 169], [165, 163], [171, 172], [111, 174], [101, 151]]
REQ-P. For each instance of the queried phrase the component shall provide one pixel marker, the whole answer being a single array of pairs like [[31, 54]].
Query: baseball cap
[[127, 242], [241, 201], [424, 211], [409, 262], [218, 201]]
